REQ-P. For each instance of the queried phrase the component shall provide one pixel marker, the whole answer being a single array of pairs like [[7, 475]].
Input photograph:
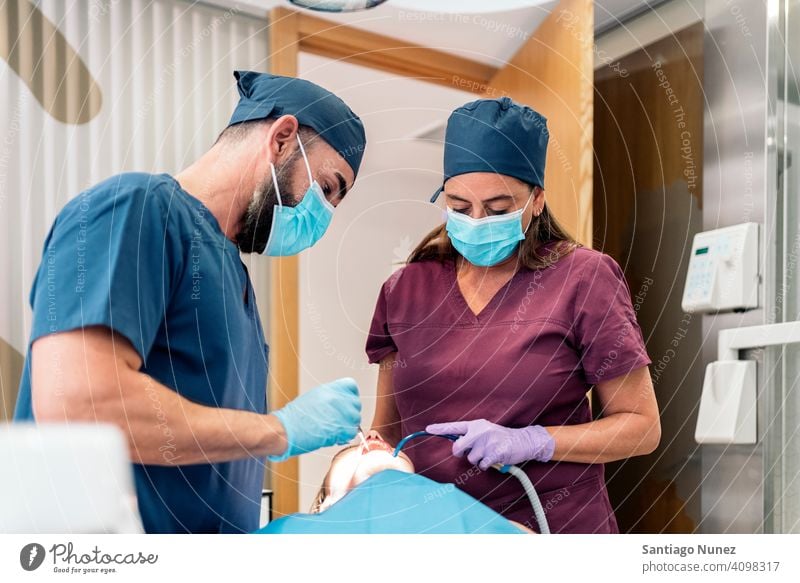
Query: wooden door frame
[[290, 33]]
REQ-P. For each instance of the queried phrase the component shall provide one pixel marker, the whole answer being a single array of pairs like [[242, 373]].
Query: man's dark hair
[[238, 132]]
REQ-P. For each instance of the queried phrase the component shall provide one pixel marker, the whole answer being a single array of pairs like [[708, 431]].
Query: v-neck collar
[[463, 308], [204, 213]]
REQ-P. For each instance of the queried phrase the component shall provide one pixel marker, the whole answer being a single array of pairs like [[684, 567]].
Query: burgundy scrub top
[[528, 358]]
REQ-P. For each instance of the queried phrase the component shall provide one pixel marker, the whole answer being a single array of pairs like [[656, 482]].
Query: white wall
[[379, 223]]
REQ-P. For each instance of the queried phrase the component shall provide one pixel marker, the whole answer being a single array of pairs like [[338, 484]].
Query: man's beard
[[255, 224]]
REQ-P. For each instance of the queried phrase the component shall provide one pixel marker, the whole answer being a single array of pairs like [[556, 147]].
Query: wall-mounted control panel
[[723, 270]]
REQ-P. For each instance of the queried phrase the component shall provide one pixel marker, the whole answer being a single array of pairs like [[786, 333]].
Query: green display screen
[[701, 251]]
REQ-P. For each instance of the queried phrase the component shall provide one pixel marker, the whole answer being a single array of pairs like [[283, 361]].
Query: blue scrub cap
[[495, 135], [263, 96]]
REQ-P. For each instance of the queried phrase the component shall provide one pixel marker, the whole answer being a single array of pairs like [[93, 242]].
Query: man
[[144, 315]]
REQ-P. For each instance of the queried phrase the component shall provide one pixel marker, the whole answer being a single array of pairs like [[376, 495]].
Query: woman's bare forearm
[[615, 437], [387, 419]]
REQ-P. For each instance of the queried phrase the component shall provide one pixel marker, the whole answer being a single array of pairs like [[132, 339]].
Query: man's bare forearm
[[164, 428], [99, 381]]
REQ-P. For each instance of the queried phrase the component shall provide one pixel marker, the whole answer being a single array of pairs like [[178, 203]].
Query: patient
[[353, 465], [369, 491]]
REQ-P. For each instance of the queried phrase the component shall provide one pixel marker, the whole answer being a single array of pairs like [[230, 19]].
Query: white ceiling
[[489, 37], [465, 6], [463, 27], [397, 110]]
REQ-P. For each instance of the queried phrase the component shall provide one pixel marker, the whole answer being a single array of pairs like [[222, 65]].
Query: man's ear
[[281, 138]]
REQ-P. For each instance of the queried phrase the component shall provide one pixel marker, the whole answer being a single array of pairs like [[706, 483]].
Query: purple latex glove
[[487, 443]]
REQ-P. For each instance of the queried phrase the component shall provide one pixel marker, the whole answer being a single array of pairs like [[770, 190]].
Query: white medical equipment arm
[[732, 340], [728, 405]]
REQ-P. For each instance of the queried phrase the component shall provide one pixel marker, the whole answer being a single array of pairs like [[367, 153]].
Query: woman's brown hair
[[544, 230]]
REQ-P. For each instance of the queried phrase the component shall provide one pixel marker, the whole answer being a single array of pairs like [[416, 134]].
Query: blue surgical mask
[[487, 241], [295, 228]]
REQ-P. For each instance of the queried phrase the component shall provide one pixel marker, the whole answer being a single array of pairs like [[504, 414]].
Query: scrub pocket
[[580, 508]]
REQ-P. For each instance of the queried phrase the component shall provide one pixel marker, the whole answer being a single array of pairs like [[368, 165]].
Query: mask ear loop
[[275, 182], [275, 176], [305, 159], [530, 198], [311, 181]]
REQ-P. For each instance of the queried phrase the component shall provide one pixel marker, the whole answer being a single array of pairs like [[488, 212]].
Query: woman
[[497, 329]]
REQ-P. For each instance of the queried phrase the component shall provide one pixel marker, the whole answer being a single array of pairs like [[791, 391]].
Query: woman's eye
[[463, 211], [326, 190], [492, 212]]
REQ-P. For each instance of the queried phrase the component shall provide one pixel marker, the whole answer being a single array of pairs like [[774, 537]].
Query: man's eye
[[463, 211]]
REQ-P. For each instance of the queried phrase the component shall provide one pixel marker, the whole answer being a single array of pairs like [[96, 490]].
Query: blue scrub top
[[140, 255]]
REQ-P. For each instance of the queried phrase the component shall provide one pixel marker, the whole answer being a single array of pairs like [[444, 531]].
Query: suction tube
[[538, 510], [527, 485], [417, 434]]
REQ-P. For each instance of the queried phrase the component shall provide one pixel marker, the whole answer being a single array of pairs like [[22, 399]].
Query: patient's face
[[353, 465]]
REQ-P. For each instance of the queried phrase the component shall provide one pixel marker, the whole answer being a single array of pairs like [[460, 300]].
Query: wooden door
[[553, 74]]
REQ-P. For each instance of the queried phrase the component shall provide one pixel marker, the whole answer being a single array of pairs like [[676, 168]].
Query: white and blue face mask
[[295, 228], [487, 241]]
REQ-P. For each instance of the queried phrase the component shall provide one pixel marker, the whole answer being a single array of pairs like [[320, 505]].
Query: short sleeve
[[108, 261], [607, 334], [379, 342]]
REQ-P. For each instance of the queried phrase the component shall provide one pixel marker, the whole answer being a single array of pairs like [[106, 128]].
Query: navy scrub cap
[[262, 96], [495, 135]]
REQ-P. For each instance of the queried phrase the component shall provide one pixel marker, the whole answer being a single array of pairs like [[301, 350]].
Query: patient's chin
[[356, 464], [522, 527], [377, 461]]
